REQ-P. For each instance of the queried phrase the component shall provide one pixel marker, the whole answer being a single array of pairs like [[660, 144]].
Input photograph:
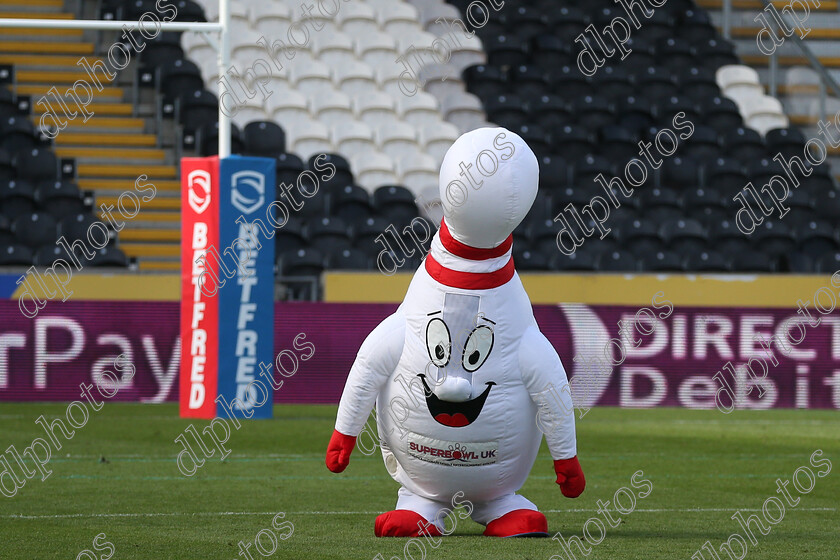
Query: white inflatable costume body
[[458, 372]]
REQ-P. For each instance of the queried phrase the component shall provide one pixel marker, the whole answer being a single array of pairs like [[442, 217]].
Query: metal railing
[[827, 81]]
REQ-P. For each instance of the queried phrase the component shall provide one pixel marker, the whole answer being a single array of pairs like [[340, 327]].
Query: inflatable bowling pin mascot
[[460, 371]]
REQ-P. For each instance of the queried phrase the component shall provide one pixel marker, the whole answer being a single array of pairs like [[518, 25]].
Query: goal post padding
[[227, 288]]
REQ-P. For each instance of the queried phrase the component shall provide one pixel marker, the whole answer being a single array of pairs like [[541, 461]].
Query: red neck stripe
[[469, 280], [471, 253]]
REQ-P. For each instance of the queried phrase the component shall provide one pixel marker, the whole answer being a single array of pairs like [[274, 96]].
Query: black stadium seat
[[207, 139], [684, 235], [661, 261], [75, 227], [328, 233], [366, 232], [341, 175], [288, 167], [35, 229], [7, 170], [348, 259], [395, 203], [744, 144], [17, 134], [264, 138], [37, 164], [698, 83], [17, 197], [351, 203], [60, 198], [289, 237], [195, 109], [16, 255], [617, 261], [47, 254], [109, 257], [177, 77]]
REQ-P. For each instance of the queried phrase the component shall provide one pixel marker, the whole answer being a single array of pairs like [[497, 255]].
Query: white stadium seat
[[463, 110], [418, 171], [739, 82], [419, 109], [441, 80], [375, 108], [271, 23], [319, 19], [398, 18], [418, 44], [432, 11], [357, 19], [467, 51], [376, 49], [765, 113], [353, 138], [355, 78], [437, 138], [247, 50], [372, 170], [289, 109], [311, 77], [331, 106], [334, 48], [388, 78], [397, 139], [196, 46], [309, 139], [240, 19], [251, 110]]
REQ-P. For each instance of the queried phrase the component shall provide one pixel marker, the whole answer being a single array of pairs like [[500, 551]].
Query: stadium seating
[[344, 93]]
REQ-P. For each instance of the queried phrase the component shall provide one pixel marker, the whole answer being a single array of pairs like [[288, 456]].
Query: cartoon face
[[459, 340]]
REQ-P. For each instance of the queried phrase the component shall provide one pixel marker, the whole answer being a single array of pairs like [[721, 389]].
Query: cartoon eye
[[477, 348], [438, 342]]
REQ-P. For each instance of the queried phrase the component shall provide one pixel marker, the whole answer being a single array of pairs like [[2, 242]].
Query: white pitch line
[[251, 513]]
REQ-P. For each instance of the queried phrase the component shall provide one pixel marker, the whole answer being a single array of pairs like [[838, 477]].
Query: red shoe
[[518, 523], [403, 523]]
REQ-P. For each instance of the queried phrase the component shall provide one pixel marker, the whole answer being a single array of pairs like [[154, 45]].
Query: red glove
[[570, 477], [338, 451]]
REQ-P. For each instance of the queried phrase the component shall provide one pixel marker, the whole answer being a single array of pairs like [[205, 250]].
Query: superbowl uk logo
[[452, 453]]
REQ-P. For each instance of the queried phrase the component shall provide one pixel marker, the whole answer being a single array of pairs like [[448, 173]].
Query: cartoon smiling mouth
[[454, 414]]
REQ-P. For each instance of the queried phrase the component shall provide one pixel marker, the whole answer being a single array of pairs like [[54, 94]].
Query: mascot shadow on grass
[[466, 361]]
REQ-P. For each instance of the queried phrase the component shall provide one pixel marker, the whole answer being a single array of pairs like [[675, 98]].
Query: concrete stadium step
[[31, 6], [39, 90], [102, 124], [159, 202], [159, 265], [68, 76], [110, 154], [108, 186], [132, 171], [784, 61], [16, 14], [100, 138], [45, 61], [172, 235], [36, 47], [53, 35], [816, 34], [96, 107], [140, 249], [154, 218]]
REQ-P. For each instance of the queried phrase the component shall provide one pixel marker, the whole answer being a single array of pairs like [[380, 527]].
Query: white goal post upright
[[222, 47]]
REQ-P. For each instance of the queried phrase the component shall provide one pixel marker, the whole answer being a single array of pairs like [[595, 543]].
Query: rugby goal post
[[209, 30]]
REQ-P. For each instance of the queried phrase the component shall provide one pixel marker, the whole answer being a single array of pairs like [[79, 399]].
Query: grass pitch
[[118, 476]]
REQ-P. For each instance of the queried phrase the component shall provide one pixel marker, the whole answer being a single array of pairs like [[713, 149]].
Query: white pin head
[[488, 182]]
